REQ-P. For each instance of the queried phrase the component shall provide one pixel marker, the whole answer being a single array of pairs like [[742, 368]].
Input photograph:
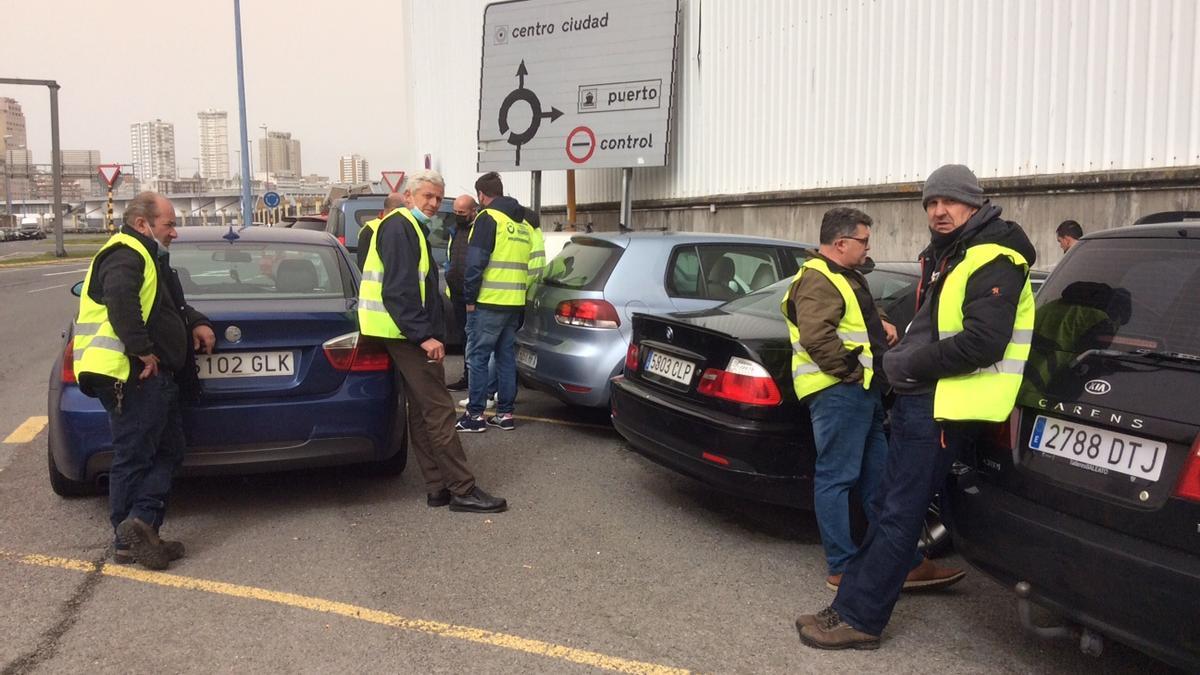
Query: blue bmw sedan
[[291, 383]]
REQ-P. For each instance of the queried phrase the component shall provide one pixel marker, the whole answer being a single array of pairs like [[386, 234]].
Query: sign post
[[109, 174]]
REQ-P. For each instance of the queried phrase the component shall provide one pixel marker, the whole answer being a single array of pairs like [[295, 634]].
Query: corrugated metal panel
[[785, 95]]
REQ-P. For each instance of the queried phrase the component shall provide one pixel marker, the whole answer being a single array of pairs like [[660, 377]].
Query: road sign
[[394, 180], [109, 173], [271, 200], [558, 93]]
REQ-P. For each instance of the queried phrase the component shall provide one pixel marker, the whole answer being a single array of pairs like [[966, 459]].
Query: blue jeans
[[919, 458], [493, 385], [492, 333], [148, 447], [852, 450]]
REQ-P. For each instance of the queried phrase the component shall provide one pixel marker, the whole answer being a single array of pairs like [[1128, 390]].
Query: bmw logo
[[1097, 387], [670, 333], [233, 334]]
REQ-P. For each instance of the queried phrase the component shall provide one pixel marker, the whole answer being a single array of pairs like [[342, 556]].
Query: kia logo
[[1097, 387]]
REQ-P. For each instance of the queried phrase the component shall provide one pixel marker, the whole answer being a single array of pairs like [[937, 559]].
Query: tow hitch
[[1090, 642]]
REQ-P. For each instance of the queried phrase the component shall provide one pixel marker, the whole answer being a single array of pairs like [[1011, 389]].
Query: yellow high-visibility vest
[[507, 273], [97, 349], [373, 317]]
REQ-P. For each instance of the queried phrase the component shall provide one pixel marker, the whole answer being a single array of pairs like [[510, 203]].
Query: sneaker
[[491, 402], [813, 619], [502, 421], [830, 632], [470, 425], [143, 543], [929, 576], [461, 385]]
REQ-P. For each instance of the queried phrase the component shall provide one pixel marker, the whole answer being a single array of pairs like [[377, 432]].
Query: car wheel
[[65, 487], [935, 536], [394, 465]]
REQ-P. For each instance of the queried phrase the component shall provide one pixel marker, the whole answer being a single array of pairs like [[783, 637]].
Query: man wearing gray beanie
[[958, 367]]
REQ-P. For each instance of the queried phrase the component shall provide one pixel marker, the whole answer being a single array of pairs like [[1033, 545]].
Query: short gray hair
[[425, 176], [144, 205]]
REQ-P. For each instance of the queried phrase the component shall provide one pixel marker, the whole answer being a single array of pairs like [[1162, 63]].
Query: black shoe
[[439, 498], [174, 549], [478, 501], [461, 385], [143, 543]]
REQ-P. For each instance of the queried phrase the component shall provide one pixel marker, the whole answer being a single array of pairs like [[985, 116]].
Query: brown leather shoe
[[830, 632], [833, 581], [929, 576], [812, 619]]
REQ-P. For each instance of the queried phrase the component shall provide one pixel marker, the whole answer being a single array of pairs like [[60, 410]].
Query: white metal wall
[[795, 94]]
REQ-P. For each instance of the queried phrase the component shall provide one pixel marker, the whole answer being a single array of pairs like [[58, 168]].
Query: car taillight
[[742, 381], [1189, 482], [68, 363], [353, 353], [587, 313], [631, 358]]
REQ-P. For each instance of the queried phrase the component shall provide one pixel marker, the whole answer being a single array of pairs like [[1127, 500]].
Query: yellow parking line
[[477, 635], [28, 430]]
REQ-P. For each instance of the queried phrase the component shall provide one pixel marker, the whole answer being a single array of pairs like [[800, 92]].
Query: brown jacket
[[817, 309]]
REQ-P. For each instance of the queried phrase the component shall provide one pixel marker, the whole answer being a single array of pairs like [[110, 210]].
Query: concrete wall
[[1039, 203]]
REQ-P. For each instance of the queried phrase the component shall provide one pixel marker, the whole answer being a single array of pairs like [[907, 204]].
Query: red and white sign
[[109, 173], [581, 144], [394, 179]]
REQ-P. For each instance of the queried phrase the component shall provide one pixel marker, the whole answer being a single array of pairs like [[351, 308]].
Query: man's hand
[[149, 367], [434, 350], [892, 336], [203, 339], [470, 308]]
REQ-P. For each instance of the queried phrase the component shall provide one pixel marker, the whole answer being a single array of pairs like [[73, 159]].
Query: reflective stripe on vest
[[507, 273], [807, 376], [97, 349], [373, 317], [988, 394]]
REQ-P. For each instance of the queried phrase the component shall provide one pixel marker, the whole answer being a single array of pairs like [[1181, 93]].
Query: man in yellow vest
[[838, 339], [393, 201], [131, 340], [497, 276], [399, 304], [959, 365]]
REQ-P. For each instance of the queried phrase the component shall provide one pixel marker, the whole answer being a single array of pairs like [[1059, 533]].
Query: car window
[[257, 271], [721, 271], [1123, 294], [889, 286], [584, 264], [683, 280]]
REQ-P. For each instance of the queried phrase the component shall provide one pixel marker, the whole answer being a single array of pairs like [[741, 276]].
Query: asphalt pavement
[[605, 561]]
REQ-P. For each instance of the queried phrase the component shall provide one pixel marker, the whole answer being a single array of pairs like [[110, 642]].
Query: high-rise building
[[352, 169], [12, 125], [214, 144], [153, 145], [279, 155]]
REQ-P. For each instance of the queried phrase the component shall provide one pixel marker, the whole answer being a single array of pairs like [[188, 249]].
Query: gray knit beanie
[[953, 181]]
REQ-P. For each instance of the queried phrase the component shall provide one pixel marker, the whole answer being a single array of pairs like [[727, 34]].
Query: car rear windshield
[[583, 264], [247, 271], [1124, 294]]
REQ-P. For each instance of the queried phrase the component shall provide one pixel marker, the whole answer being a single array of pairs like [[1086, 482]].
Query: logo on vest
[[512, 228]]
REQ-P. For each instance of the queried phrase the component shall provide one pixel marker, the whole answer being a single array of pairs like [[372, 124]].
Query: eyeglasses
[[862, 240]]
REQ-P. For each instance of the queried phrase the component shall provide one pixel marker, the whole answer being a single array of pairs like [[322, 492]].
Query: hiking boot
[[143, 543], [470, 425], [830, 632], [502, 421], [929, 576], [174, 549], [813, 619]]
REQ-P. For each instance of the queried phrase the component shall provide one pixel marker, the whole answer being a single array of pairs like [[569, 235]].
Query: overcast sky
[[321, 69]]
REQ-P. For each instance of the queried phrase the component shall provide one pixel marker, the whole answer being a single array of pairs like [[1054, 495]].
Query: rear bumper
[[1134, 591], [676, 437], [580, 363]]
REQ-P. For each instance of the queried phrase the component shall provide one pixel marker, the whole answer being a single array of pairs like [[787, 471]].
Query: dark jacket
[[398, 249], [457, 269], [364, 247], [816, 307], [167, 331], [483, 242], [922, 358]]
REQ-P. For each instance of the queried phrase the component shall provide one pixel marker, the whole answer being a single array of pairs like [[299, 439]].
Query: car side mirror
[[77, 289]]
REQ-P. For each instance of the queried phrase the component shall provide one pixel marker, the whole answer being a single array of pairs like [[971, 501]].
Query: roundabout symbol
[[535, 107]]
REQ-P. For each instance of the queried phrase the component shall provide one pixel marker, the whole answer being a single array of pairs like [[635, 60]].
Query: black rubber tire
[[65, 487], [394, 465]]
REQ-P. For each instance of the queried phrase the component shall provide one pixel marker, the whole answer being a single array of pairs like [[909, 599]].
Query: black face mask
[[461, 220]]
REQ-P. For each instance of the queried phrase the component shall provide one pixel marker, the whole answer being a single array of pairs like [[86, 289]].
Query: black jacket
[[364, 247], [398, 248], [167, 331], [922, 358], [483, 242], [456, 273]]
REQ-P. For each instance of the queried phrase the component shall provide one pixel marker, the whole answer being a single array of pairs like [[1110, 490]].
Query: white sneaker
[[491, 403]]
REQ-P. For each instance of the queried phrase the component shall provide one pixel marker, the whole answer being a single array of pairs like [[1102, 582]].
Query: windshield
[[248, 271]]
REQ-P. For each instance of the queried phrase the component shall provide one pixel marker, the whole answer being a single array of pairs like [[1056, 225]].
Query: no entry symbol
[[581, 143]]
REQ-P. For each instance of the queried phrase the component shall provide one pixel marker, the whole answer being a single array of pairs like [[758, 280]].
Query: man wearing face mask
[[399, 304], [465, 209], [131, 341], [959, 365]]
